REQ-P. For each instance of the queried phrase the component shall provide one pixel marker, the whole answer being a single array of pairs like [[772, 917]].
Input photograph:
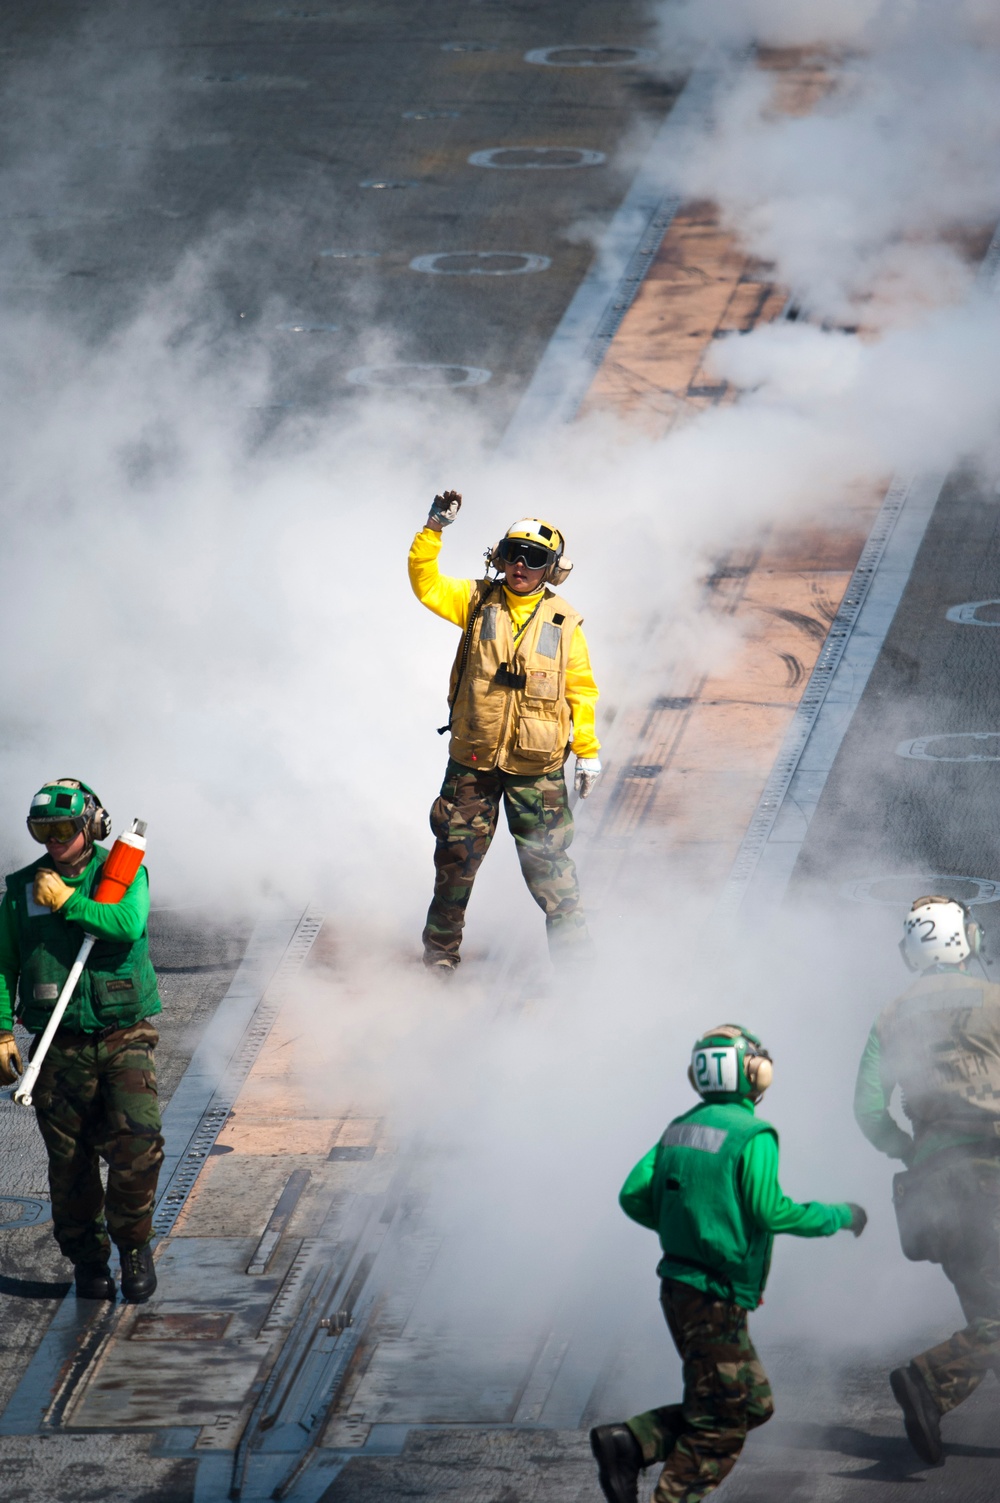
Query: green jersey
[[38, 947], [710, 1189]]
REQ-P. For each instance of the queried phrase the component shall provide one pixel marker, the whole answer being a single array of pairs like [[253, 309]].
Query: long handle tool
[[23, 1093], [117, 875]]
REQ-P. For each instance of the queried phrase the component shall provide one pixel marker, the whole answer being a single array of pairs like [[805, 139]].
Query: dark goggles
[[61, 831], [533, 554]]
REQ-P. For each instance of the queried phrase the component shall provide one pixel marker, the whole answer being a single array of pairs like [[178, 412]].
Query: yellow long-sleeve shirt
[[450, 598]]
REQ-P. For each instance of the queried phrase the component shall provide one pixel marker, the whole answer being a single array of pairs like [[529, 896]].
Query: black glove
[[859, 1219]]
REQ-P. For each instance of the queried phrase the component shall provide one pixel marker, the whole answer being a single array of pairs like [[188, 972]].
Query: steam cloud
[[209, 618]]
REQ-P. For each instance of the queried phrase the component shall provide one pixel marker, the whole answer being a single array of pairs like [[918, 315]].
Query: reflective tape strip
[[957, 1000], [691, 1135], [549, 640]]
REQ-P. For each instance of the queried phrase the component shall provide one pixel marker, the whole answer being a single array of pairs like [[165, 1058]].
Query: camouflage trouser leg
[[957, 1366], [970, 1257], [726, 1393], [97, 1099], [463, 820], [540, 820]]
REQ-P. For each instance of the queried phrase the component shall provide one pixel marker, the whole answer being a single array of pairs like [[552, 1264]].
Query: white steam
[[852, 200]]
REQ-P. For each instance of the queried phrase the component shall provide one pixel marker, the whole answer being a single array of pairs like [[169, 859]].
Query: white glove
[[444, 509], [588, 770]]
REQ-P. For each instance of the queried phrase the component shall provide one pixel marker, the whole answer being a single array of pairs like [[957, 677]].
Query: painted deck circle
[[596, 55], [898, 889], [536, 158], [418, 374], [20, 1210], [971, 613], [480, 263], [952, 746]]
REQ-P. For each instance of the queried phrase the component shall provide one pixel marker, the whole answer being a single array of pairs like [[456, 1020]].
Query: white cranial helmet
[[938, 931]]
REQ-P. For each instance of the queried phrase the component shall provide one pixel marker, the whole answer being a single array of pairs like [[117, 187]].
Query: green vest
[[708, 1240], [118, 984]]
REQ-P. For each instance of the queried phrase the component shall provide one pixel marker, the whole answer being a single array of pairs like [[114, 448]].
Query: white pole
[[23, 1093]]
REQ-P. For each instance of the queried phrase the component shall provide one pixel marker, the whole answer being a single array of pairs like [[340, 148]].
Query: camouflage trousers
[[968, 1191], [96, 1099], [726, 1393], [464, 820]]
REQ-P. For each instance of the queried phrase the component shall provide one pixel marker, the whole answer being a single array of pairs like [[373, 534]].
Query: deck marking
[[594, 55], [627, 249], [237, 1032], [776, 833], [968, 614], [865, 889], [191, 1122], [984, 747]]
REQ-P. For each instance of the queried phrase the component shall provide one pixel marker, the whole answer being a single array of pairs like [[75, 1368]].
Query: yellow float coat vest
[[508, 698]]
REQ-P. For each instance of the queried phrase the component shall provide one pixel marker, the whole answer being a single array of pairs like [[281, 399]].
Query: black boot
[[94, 1281], [138, 1274], [921, 1416], [440, 964], [619, 1462]]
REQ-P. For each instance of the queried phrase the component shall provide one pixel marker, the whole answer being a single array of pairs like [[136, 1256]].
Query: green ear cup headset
[[729, 1063], [68, 801]]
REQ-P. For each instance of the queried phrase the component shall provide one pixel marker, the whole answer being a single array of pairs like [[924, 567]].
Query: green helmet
[[70, 803], [729, 1063]]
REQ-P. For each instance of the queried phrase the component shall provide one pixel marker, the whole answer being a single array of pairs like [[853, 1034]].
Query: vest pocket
[[117, 999], [537, 737], [542, 683], [469, 753]]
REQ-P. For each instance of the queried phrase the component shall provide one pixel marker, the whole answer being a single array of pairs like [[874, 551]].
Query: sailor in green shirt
[[710, 1190], [940, 1043], [96, 1093]]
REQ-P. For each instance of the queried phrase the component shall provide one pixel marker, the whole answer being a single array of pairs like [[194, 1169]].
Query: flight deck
[[486, 182]]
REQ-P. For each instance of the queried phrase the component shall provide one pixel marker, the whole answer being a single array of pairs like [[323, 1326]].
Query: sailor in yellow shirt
[[522, 696]]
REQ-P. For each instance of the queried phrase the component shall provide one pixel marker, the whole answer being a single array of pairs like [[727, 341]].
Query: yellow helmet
[[542, 535]]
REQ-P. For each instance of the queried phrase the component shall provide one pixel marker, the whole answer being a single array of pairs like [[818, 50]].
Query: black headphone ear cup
[[101, 824]]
